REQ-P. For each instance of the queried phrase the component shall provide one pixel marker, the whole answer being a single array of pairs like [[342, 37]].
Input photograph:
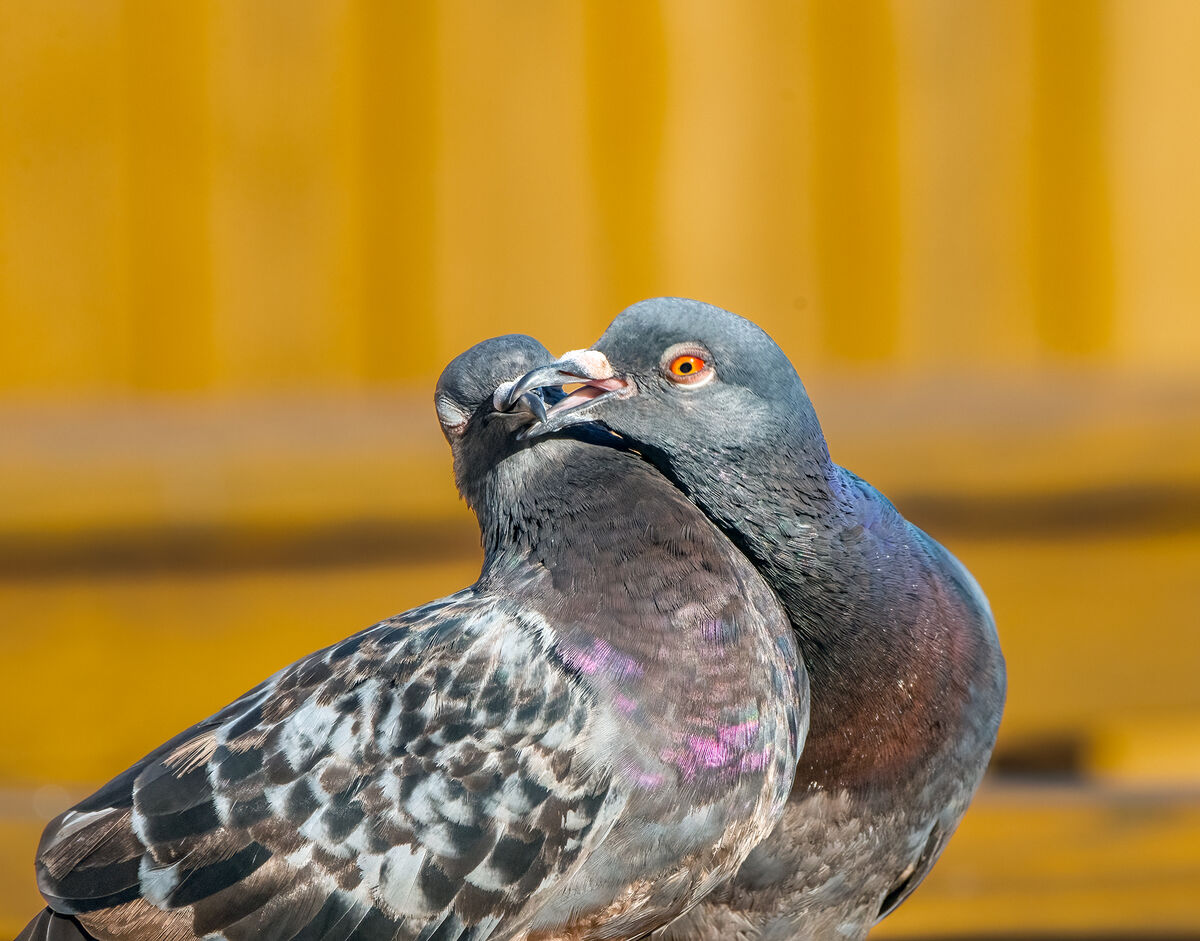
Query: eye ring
[[687, 364]]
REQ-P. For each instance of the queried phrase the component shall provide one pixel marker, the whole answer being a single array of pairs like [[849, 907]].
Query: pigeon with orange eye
[[908, 680], [686, 365], [581, 380], [688, 368]]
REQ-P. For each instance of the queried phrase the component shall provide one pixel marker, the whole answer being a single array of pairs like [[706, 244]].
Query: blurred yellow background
[[239, 240]]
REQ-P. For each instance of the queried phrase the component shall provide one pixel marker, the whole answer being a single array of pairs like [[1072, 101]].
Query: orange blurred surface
[[239, 241]]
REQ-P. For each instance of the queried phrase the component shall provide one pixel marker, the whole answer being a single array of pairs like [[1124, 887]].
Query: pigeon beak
[[589, 367], [536, 404], [529, 402]]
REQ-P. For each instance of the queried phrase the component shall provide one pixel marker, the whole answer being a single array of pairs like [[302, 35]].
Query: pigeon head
[[480, 420], [683, 382]]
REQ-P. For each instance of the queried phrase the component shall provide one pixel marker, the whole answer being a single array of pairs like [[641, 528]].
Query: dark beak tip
[[535, 403], [536, 379]]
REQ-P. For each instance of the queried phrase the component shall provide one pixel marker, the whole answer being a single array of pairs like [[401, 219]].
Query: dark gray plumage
[[907, 678], [581, 744], [48, 925]]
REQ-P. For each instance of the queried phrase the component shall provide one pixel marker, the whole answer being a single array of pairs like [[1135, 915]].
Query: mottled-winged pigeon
[[580, 745], [907, 677]]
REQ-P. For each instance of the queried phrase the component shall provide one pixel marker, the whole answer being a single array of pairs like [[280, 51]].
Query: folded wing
[[415, 781]]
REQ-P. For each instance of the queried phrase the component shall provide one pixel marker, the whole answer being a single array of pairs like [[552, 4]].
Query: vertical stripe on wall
[[855, 184], [399, 125], [64, 325], [236, 198], [626, 66], [515, 227], [1156, 198], [286, 206], [1072, 213], [966, 107], [167, 112]]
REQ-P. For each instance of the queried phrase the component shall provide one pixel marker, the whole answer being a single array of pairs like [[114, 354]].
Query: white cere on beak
[[595, 365]]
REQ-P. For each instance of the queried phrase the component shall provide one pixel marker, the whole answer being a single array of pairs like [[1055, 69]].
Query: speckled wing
[[415, 781]]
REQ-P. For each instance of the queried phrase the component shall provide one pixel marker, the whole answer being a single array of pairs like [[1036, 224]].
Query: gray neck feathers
[[847, 568]]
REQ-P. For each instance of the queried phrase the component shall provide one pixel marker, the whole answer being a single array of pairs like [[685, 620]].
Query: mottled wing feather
[[416, 781]]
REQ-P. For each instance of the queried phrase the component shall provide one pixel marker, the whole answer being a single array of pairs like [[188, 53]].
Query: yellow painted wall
[[232, 197], [240, 238]]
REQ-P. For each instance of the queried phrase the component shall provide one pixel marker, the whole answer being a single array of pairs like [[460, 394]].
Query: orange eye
[[686, 365]]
